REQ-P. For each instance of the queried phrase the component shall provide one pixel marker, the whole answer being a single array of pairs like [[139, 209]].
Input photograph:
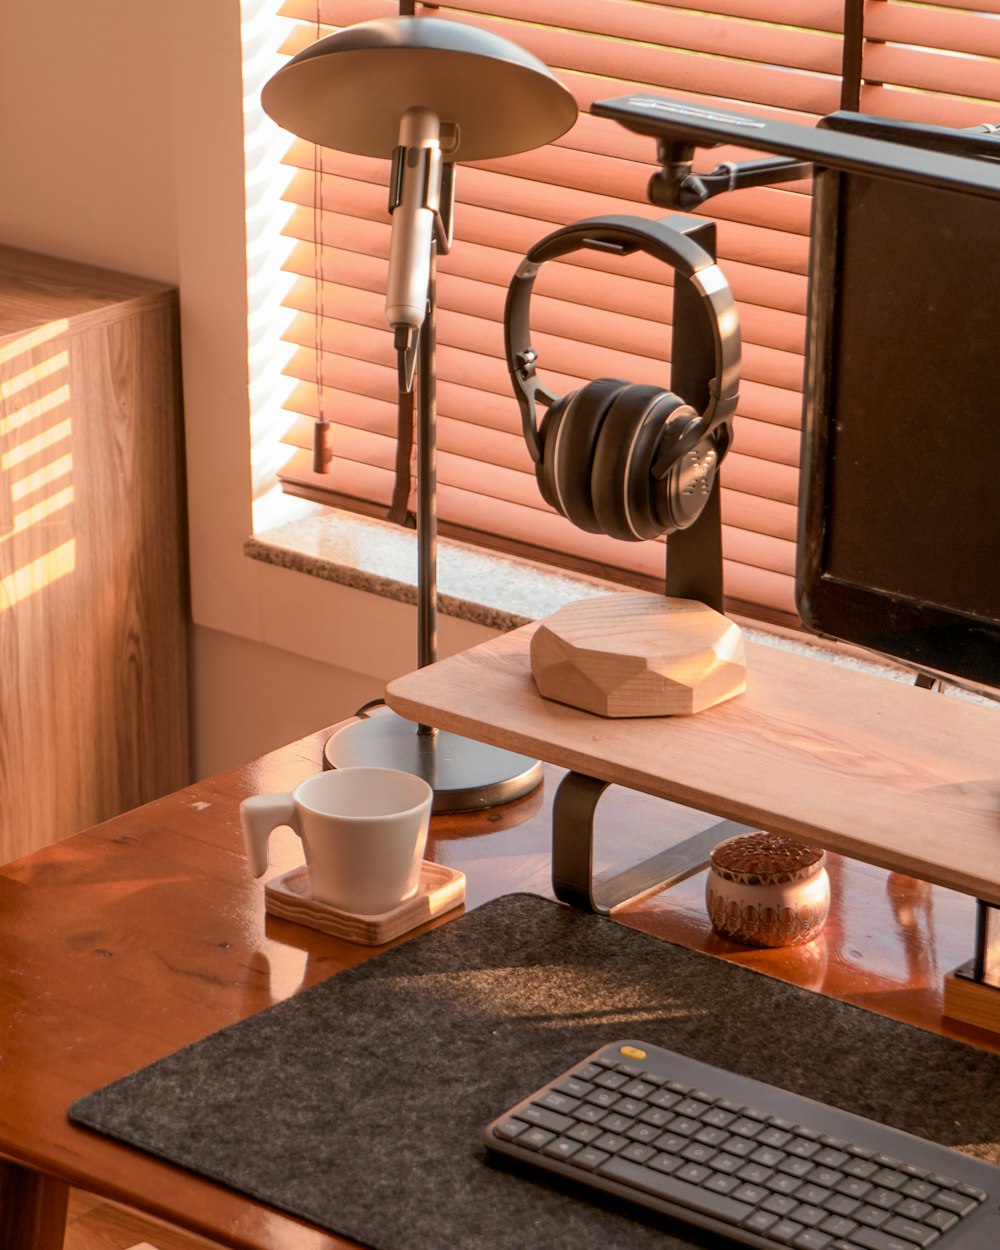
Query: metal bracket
[[573, 879], [984, 967]]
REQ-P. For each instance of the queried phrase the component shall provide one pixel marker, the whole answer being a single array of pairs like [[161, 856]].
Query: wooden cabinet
[[93, 579]]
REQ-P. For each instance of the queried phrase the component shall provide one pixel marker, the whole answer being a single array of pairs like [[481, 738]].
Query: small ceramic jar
[[766, 890]]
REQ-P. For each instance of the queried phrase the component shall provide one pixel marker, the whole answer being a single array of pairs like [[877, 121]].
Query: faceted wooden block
[[638, 655]]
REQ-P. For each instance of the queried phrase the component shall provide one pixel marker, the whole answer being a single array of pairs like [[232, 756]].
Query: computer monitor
[[899, 521]]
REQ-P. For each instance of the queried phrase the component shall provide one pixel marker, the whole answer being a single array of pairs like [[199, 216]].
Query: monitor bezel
[[919, 635]]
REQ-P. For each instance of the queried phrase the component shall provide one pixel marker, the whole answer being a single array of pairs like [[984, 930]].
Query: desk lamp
[[426, 93]]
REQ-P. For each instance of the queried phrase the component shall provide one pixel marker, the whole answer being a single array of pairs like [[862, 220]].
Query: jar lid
[[765, 859]]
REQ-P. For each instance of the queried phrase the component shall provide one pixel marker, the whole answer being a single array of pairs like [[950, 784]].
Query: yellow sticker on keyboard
[[631, 1052]]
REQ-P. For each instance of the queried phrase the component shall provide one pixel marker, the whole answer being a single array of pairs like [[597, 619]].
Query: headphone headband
[[623, 235]]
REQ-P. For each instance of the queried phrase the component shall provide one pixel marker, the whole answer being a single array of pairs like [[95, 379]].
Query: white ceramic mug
[[363, 831]]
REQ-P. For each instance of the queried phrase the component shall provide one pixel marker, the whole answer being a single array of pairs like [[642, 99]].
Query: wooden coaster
[[440, 889]]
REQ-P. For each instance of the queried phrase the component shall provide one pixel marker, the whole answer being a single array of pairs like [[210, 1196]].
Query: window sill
[[489, 588], [485, 587]]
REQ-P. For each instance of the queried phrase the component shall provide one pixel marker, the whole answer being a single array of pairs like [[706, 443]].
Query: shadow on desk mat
[[358, 1104]]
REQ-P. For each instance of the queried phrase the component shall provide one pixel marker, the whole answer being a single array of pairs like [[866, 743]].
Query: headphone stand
[[694, 555]]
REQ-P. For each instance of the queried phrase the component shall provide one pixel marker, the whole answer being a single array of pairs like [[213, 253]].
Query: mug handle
[[259, 815]]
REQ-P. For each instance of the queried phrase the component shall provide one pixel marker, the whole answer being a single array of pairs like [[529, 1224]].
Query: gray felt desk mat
[[358, 1104]]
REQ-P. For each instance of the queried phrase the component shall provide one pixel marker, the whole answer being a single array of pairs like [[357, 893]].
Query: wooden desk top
[[127, 941], [876, 769]]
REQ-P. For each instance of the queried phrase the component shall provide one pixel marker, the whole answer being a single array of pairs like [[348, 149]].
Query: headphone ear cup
[[621, 482], [683, 491], [547, 432], [569, 448]]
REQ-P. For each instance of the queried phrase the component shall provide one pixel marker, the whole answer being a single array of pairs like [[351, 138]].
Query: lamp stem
[[427, 483]]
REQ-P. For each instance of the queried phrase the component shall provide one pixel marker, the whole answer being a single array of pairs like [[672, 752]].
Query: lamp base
[[465, 775]]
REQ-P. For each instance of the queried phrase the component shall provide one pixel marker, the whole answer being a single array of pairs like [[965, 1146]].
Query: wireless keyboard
[[757, 1164]]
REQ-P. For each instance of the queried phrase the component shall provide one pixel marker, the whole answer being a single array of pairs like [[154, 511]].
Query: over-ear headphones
[[614, 457]]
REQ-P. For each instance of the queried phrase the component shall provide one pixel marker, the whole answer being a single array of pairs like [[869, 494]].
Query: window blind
[[594, 315]]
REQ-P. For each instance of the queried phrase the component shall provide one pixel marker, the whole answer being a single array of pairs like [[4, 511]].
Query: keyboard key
[[809, 1215], [611, 1142], [812, 1239], [863, 1168], [840, 1204], [603, 1098], [721, 1183], [691, 1107], [919, 1234], [574, 1087], [750, 1193], [718, 1117], [695, 1173], [611, 1080], [552, 1120], [615, 1123], [793, 1166], [875, 1239], [814, 1194], [760, 1221], [638, 1153], [941, 1220], [838, 1226], [645, 1133], [637, 1089], [561, 1148], [629, 1106], [583, 1132], [509, 1129], [663, 1098], [782, 1184], [675, 1190], [872, 1217], [910, 1209], [589, 1159], [955, 1202], [767, 1156], [829, 1178], [785, 1232], [535, 1138], [884, 1198], [971, 1192], [556, 1101], [780, 1204], [888, 1178], [698, 1152], [830, 1158]]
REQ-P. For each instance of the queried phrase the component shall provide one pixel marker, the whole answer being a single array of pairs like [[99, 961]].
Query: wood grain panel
[[93, 620]]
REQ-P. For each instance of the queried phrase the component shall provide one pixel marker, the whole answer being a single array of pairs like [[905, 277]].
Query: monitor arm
[[675, 186]]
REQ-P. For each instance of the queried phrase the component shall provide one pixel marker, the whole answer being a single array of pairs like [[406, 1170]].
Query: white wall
[[121, 144]]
